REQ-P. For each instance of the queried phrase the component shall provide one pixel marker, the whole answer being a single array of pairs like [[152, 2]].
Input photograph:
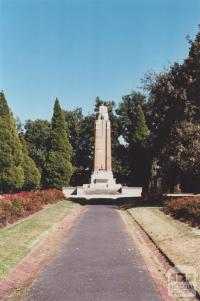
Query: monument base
[[84, 192], [103, 185], [102, 182], [103, 179]]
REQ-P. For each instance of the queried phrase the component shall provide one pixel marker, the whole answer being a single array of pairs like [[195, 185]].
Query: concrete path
[[97, 261]]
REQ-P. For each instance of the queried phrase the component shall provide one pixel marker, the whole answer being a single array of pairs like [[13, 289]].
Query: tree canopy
[[174, 98]]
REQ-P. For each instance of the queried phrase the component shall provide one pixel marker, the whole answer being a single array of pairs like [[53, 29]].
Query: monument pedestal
[[102, 182], [103, 179]]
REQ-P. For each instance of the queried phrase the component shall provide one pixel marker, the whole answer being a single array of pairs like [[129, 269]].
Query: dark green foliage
[[58, 169], [85, 150], [140, 132], [73, 119], [139, 152], [37, 137], [191, 73], [31, 172], [81, 137], [182, 153], [11, 158], [126, 114], [173, 119], [134, 153]]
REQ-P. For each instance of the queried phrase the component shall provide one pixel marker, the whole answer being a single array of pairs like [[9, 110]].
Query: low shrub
[[18, 205], [185, 208]]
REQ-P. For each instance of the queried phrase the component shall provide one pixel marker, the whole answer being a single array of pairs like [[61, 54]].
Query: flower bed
[[185, 208], [18, 205]]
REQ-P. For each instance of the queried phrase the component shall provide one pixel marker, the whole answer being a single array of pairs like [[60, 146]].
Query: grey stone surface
[[95, 193], [97, 261]]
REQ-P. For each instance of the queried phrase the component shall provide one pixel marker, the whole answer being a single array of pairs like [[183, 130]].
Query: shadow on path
[[132, 202]]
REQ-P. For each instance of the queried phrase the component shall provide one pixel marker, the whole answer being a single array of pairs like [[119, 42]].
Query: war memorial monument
[[102, 181]]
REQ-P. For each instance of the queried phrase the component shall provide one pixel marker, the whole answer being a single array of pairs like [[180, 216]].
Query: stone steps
[[101, 192]]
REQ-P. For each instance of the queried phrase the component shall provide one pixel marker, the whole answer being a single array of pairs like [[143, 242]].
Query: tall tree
[[126, 114], [11, 158], [174, 101], [139, 163], [140, 132], [133, 131], [37, 137], [58, 166], [182, 156], [32, 175], [81, 132], [85, 150], [191, 72]]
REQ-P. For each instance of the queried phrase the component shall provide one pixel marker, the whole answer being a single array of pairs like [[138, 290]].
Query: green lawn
[[17, 240]]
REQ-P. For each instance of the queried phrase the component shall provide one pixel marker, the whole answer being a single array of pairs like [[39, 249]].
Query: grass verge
[[17, 240], [177, 240]]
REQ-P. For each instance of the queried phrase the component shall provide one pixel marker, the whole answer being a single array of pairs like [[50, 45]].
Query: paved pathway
[[97, 261]]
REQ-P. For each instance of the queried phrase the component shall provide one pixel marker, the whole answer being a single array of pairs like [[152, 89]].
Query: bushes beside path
[[185, 208], [19, 205]]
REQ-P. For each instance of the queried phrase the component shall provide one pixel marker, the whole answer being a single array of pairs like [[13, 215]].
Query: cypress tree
[[11, 156], [138, 150], [141, 131], [58, 165], [32, 175]]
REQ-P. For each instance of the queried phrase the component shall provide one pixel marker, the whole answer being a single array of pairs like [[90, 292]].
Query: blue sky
[[79, 49]]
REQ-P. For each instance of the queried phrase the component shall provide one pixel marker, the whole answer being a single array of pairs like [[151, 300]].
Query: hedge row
[[19, 205], [186, 208]]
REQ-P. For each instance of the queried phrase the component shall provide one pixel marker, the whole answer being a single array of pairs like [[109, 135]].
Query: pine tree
[[128, 130], [11, 156], [58, 165], [141, 131], [139, 163], [32, 175]]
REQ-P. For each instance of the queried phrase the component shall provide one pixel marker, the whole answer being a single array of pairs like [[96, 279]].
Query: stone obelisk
[[102, 154], [102, 174]]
